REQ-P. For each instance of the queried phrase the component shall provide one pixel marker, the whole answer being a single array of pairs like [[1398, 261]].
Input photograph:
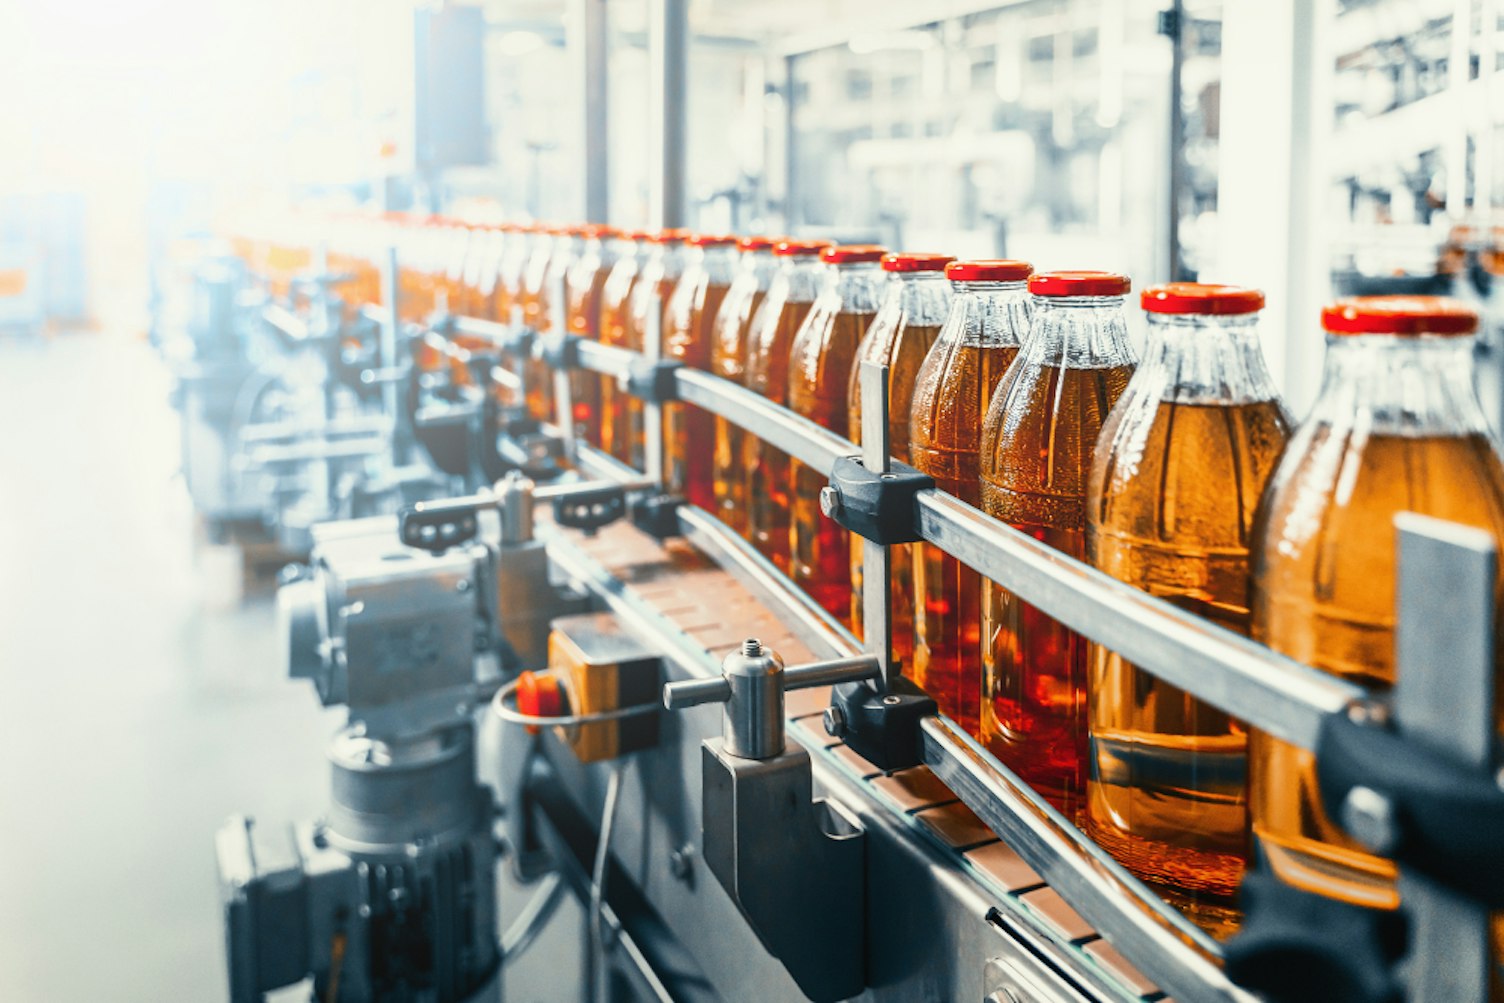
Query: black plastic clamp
[[560, 351], [657, 515], [653, 381], [876, 507], [1442, 820], [882, 728], [437, 526], [590, 510]]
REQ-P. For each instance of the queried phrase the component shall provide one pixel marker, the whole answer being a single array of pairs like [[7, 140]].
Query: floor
[[141, 702]]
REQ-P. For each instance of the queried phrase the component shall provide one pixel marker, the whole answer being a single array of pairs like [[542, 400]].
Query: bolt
[[835, 721], [1368, 712], [1369, 817], [681, 863], [890, 701], [752, 648], [830, 501], [462, 586]]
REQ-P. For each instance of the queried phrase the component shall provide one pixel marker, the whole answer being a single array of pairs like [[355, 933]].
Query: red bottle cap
[[993, 270], [1079, 284], [638, 235], [711, 240], [755, 243], [851, 254], [539, 695], [916, 262], [799, 248], [1399, 315], [671, 236], [599, 231], [1201, 297]]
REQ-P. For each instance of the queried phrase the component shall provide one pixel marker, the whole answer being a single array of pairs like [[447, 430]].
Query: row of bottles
[[1179, 473]]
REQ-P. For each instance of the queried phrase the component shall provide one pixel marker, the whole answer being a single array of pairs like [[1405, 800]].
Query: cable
[[596, 959], [513, 716], [533, 918]]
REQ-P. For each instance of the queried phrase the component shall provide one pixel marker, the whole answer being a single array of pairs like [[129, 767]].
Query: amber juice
[[819, 549], [1036, 460], [1325, 595], [688, 431], [582, 310], [728, 360], [768, 470], [945, 433], [1167, 788], [621, 414]]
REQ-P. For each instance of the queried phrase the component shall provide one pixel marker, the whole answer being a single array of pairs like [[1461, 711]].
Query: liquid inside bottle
[[728, 360], [621, 414], [916, 300], [689, 320], [1037, 442], [791, 294], [820, 362], [952, 391], [584, 286], [653, 291], [1396, 427], [1180, 466]]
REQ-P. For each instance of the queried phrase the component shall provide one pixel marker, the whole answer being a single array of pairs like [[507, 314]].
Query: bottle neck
[[988, 314], [799, 278], [1397, 385], [760, 265], [922, 299], [718, 263], [1202, 359], [854, 287], [1078, 332]]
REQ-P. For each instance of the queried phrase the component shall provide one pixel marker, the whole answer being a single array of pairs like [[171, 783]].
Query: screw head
[[1369, 712], [830, 501], [1369, 817], [681, 863], [834, 720], [890, 701]]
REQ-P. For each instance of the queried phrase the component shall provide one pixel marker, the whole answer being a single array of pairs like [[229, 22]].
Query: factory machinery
[[750, 804]]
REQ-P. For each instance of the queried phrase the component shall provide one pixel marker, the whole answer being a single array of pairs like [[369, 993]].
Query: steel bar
[[877, 560], [604, 359], [477, 328], [1131, 917], [801, 438], [1269, 691], [286, 321]]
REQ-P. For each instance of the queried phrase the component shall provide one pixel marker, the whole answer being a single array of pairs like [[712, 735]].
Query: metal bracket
[[793, 864], [653, 381]]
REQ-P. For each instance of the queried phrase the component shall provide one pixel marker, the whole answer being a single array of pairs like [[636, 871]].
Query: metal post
[[652, 411], [390, 323], [563, 390], [590, 52], [1444, 698], [668, 60], [1174, 25], [877, 560]]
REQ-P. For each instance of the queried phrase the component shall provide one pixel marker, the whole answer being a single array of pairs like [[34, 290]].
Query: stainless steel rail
[[286, 321], [477, 328]]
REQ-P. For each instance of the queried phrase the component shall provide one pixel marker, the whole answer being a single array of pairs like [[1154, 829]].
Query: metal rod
[[490, 330], [800, 438], [590, 48], [1175, 18], [1130, 916], [563, 389], [668, 68], [1444, 699], [286, 321], [1276, 694], [605, 359], [652, 412], [877, 560], [831, 671]]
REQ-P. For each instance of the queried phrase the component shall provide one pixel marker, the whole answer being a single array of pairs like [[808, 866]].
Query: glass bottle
[[514, 256], [480, 271], [955, 384], [791, 293], [660, 275], [621, 414], [689, 320], [728, 359], [1396, 427], [820, 361], [583, 287], [1037, 442], [916, 299], [1178, 472]]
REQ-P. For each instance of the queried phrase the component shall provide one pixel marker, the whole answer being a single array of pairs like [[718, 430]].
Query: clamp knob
[[751, 686]]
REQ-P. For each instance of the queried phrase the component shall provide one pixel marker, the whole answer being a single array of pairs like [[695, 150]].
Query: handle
[[436, 526]]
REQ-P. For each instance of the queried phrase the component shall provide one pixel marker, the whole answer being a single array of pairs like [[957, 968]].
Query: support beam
[[668, 59], [589, 53]]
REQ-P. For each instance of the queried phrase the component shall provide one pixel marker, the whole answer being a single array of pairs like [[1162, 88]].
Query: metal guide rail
[[1269, 691]]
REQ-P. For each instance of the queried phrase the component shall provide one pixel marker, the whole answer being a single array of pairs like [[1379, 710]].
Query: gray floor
[[141, 704]]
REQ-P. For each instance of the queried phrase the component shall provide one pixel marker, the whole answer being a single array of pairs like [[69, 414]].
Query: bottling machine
[[751, 805]]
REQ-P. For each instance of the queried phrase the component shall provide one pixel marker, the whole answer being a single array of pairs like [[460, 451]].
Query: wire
[[533, 918], [512, 715], [596, 956]]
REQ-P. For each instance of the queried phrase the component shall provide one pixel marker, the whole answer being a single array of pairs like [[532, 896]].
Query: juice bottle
[[485, 248], [1396, 427], [547, 267], [955, 384], [459, 240], [1037, 442], [583, 287], [621, 414], [728, 359], [688, 332], [791, 293], [916, 299], [507, 290], [820, 361], [1179, 468], [660, 275]]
